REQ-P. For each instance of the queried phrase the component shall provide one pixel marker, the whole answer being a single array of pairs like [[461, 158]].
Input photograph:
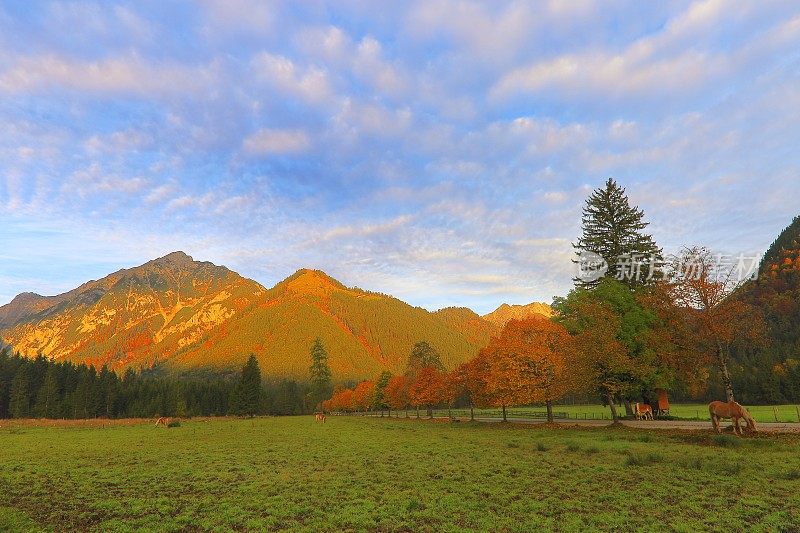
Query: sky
[[438, 151]]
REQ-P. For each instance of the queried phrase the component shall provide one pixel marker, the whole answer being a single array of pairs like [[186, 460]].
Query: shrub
[[174, 424], [542, 447], [573, 446]]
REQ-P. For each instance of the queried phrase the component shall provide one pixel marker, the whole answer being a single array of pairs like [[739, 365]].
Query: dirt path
[[767, 427]]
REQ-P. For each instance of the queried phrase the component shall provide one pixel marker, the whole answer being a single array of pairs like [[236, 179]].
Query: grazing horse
[[165, 421], [320, 417], [731, 410], [643, 411]]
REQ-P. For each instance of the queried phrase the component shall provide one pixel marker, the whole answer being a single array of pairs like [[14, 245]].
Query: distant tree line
[[41, 388]]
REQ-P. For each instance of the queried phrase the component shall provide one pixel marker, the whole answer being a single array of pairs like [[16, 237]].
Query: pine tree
[[321, 385], [614, 230], [247, 395], [19, 400], [48, 403]]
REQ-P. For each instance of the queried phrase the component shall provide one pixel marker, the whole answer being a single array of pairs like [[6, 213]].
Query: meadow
[[372, 474]]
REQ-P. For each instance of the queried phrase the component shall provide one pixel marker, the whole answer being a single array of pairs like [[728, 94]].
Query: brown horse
[[166, 421], [643, 411], [731, 410], [320, 417]]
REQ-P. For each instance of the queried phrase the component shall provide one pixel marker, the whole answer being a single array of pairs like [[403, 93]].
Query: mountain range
[[178, 314]]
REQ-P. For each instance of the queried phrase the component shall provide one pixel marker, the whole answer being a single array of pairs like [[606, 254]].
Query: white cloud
[[272, 141], [310, 84], [127, 75]]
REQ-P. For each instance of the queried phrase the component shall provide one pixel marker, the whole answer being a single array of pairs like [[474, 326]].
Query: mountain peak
[[506, 312], [309, 281], [177, 257]]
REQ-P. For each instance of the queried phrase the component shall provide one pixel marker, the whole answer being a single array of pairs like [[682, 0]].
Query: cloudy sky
[[439, 151]]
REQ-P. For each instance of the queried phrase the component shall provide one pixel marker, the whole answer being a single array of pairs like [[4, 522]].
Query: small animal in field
[[166, 421], [643, 411], [320, 417], [733, 411]]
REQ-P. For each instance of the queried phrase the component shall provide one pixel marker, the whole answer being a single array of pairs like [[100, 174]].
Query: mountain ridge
[[181, 314]]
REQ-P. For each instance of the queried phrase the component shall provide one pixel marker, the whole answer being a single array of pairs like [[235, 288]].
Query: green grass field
[[362, 474], [761, 413]]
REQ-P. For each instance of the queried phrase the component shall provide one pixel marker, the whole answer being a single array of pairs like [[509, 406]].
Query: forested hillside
[[771, 373]]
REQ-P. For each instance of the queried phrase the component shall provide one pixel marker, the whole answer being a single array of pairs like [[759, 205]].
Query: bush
[[174, 424], [542, 447], [573, 446]]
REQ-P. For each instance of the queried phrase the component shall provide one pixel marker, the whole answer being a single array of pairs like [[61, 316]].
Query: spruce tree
[[19, 398], [48, 403], [321, 385], [247, 395], [614, 230]]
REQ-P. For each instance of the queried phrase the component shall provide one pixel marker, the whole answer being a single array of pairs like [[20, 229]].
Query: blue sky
[[439, 151]]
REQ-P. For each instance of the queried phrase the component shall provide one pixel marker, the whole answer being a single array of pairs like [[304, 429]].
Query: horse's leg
[[715, 422]]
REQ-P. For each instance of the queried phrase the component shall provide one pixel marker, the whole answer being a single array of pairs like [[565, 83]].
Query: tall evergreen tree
[[614, 230], [248, 393], [19, 400], [48, 404], [321, 385]]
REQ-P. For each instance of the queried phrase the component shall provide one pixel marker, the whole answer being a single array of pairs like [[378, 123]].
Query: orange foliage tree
[[428, 388], [362, 395], [704, 286], [397, 393], [530, 363]]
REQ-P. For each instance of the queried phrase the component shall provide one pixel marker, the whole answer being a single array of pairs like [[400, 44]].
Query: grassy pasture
[[761, 413], [362, 474]]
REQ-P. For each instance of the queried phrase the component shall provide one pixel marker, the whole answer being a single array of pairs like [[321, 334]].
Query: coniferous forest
[[41, 388]]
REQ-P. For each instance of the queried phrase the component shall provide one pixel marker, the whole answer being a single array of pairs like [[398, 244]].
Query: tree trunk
[[504, 414], [549, 405], [406, 412], [418, 411], [613, 407], [449, 413], [430, 412], [722, 357], [628, 407], [471, 413]]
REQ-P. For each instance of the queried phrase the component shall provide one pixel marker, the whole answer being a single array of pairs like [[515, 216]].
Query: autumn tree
[[427, 389], [363, 395], [703, 285], [396, 393], [530, 363], [476, 377], [615, 230]]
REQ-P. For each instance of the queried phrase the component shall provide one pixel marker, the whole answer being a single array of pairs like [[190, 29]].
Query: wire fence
[[687, 412]]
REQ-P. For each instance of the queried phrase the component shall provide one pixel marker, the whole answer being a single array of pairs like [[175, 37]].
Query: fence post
[[775, 412], [796, 408]]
